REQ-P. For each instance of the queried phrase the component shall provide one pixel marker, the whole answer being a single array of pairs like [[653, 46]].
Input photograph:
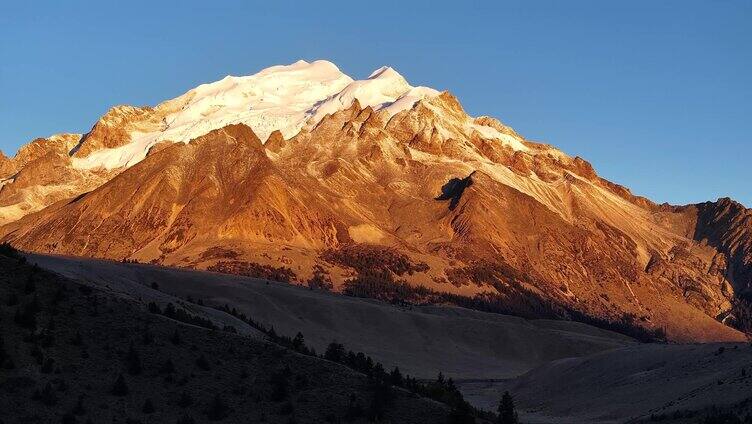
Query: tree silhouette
[[335, 352], [298, 342], [507, 412], [395, 377]]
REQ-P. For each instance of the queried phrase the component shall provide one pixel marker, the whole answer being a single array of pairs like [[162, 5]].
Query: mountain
[[376, 188]]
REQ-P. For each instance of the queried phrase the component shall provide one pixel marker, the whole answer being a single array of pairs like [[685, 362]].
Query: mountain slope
[[640, 383], [421, 340], [66, 345], [379, 184]]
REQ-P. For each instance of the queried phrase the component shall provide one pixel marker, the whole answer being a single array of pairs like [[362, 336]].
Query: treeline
[[255, 270], [180, 314], [741, 313], [382, 381], [373, 260]]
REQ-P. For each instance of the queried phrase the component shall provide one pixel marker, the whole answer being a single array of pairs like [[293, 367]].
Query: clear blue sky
[[655, 94]]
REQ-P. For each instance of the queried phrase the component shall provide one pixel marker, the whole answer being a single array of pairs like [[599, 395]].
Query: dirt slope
[[628, 384], [423, 341]]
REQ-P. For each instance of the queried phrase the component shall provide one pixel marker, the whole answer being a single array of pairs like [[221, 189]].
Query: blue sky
[[655, 94]]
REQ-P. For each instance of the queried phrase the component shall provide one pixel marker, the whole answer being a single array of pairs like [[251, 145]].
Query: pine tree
[[298, 343], [395, 377], [507, 412], [335, 352]]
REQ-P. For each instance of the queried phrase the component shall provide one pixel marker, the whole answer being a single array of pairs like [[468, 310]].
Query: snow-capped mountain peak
[[284, 97]]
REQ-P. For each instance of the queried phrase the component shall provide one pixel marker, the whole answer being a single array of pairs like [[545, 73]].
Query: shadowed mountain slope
[[421, 340], [73, 353]]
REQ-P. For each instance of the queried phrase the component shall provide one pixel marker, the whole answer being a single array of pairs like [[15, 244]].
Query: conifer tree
[[507, 412], [335, 352], [298, 343]]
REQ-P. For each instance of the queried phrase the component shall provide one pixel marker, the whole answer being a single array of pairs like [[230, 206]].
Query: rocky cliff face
[[726, 226], [40, 174], [383, 186]]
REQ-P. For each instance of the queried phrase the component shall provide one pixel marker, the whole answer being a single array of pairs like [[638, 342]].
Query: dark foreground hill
[[75, 354], [558, 371]]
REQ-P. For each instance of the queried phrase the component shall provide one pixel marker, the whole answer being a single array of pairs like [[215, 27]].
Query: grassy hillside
[[421, 340], [75, 354]]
